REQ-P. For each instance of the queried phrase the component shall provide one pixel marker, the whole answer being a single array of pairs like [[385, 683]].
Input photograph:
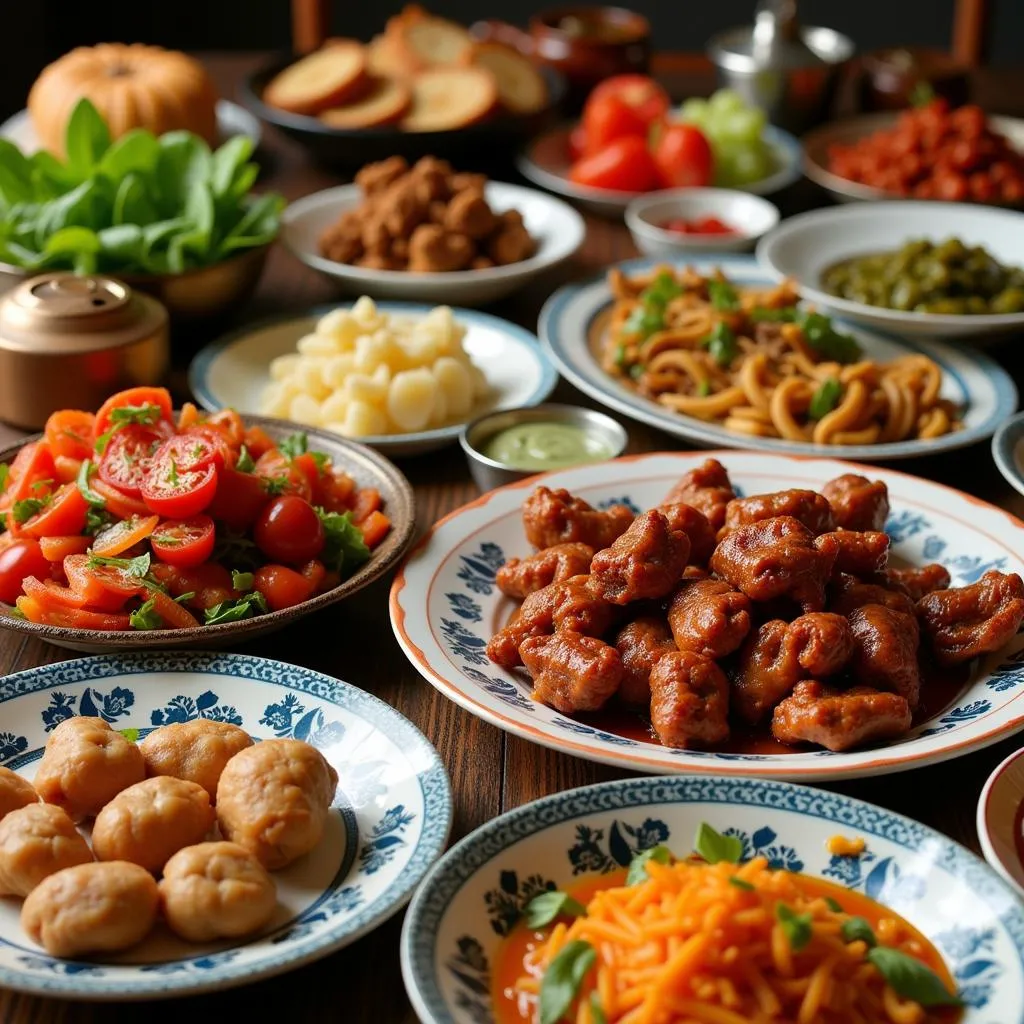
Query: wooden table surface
[[491, 772]]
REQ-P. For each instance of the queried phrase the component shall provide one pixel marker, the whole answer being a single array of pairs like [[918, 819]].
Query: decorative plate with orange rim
[[445, 606]]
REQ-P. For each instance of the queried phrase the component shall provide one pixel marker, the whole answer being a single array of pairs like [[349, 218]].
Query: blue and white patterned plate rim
[[430, 841], [1004, 398], [199, 368], [490, 840], [1004, 448]]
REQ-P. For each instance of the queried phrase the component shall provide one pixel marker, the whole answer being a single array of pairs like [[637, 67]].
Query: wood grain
[[491, 772]]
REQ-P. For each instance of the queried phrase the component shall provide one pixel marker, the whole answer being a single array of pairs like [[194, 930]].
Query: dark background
[[39, 31]]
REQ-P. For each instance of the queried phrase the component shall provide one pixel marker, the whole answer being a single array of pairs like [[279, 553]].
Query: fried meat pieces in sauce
[[708, 617], [707, 489], [520, 577], [641, 644], [646, 562], [689, 700], [557, 517], [572, 672], [857, 503], [809, 507]]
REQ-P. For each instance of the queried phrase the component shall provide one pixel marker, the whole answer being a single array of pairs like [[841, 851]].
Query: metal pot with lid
[[69, 342], [788, 70]]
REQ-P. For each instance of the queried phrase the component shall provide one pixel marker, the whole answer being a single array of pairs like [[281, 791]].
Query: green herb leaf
[[172, 476], [137, 566], [911, 979], [25, 509], [245, 463], [344, 547], [242, 580], [857, 929], [825, 399], [183, 598], [146, 617], [723, 296], [321, 459], [253, 603], [834, 905], [15, 613], [87, 138], [145, 415], [713, 847], [233, 549], [275, 485], [597, 1014], [741, 883], [620, 357], [796, 927], [644, 322], [721, 343], [638, 865], [130, 734], [562, 979], [783, 315], [704, 388], [636, 371], [829, 343], [661, 291], [85, 473], [5, 472], [543, 909], [293, 445]]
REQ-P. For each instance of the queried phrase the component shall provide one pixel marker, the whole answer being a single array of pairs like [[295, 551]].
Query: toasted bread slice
[[385, 103], [521, 87], [447, 98], [326, 78], [425, 41], [384, 59]]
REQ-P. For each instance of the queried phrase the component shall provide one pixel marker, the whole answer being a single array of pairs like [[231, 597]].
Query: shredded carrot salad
[[723, 943]]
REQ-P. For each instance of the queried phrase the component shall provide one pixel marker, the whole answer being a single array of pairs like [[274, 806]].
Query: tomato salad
[[130, 518]]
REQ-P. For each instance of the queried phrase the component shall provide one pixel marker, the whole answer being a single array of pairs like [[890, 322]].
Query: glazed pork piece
[[847, 593], [641, 643], [702, 535], [572, 672], [556, 517], [839, 719], [689, 700], [857, 502], [918, 582], [645, 562], [709, 617], [777, 558], [520, 577], [707, 489], [580, 606], [885, 651], [809, 507], [860, 554], [779, 655], [964, 622]]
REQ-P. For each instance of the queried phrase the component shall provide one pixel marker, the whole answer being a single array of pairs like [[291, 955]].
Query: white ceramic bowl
[[475, 894], [749, 215], [1000, 820], [1008, 451], [804, 246], [557, 227]]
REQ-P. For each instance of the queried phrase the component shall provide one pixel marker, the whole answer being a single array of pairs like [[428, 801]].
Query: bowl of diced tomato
[[140, 526]]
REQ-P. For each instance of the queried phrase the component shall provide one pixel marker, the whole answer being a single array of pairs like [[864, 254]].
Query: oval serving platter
[[572, 324], [468, 902], [445, 606], [392, 811]]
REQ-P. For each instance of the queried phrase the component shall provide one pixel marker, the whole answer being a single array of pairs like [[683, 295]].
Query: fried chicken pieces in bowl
[[713, 614]]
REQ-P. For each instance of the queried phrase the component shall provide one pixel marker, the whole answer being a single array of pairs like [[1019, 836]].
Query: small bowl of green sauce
[[505, 446]]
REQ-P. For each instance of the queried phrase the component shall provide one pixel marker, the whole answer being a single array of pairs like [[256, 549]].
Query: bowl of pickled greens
[[912, 268]]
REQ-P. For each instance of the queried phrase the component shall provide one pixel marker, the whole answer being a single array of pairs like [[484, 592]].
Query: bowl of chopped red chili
[[140, 527]]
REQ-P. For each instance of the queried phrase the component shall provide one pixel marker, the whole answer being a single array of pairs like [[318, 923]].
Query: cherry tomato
[[182, 479], [275, 467], [239, 499], [184, 542], [335, 491], [221, 451], [172, 614], [31, 465], [66, 469], [124, 534], [624, 165], [49, 593], [607, 118], [699, 226], [257, 441], [209, 583], [19, 560], [73, 618], [648, 101], [105, 587], [283, 587], [69, 433], [160, 397], [577, 142], [289, 530], [230, 424], [64, 513], [56, 549], [127, 457], [683, 157], [188, 417], [122, 505], [367, 500]]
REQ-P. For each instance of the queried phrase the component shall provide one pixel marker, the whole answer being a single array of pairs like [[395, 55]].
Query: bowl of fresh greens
[[166, 214]]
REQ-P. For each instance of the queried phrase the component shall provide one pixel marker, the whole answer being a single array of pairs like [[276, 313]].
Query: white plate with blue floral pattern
[[392, 811], [445, 606], [475, 894]]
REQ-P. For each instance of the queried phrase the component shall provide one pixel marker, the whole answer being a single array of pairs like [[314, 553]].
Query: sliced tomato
[[48, 593], [19, 560], [127, 457], [257, 441], [209, 583], [230, 424], [33, 464], [184, 542], [140, 396], [66, 469], [173, 614], [608, 118], [307, 465], [123, 535], [239, 499], [105, 587], [182, 479], [221, 451], [624, 165], [335, 491], [73, 618], [367, 500], [188, 417], [69, 433], [276, 467], [375, 528], [63, 514], [56, 549], [122, 505], [283, 587]]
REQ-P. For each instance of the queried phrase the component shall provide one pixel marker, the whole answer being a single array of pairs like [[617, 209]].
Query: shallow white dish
[[393, 811], [749, 215], [1008, 451], [1000, 820], [556, 226], [233, 371], [474, 895], [231, 120], [445, 606], [570, 328], [545, 162], [802, 247]]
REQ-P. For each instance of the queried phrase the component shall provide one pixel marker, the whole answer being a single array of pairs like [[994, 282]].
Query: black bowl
[[488, 145]]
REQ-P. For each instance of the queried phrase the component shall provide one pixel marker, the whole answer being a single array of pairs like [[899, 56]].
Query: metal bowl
[[488, 473]]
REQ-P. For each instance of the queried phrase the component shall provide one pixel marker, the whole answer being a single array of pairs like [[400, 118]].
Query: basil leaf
[[87, 138], [5, 472], [135, 151], [82, 483], [713, 847], [721, 343], [146, 415], [16, 185], [344, 547], [294, 445], [132, 205], [146, 617], [723, 296], [857, 929], [563, 978], [242, 580], [785, 314], [183, 598], [704, 388], [796, 927], [644, 322], [137, 567], [827, 341], [597, 1014], [911, 979], [825, 399], [235, 549], [834, 905], [253, 603], [543, 909], [228, 164], [741, 883], [638, 865], [245, 463], [25, 509], [661, 291], [320, 458]]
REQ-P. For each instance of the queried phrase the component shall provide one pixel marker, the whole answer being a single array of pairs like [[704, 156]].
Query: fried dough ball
[[432, 249], [36, 841], [15, 792], [85, 765], [149, 822], [468, 214], [216, 891], [91, 908], [195, 751], [273, 799]]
